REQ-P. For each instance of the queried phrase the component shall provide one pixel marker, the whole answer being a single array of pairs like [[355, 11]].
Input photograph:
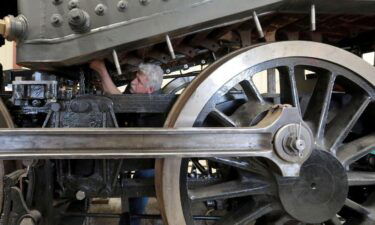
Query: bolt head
[[78, 19], [75, 14], [295, 145], [80, 195], [300, 144]]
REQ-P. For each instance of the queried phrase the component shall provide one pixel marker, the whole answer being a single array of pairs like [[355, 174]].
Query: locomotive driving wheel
[[334, 92]]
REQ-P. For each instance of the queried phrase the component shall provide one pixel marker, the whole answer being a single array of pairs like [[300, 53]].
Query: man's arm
[[107, 84]]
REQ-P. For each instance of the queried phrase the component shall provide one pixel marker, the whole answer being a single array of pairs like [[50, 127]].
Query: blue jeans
[[138, 205]]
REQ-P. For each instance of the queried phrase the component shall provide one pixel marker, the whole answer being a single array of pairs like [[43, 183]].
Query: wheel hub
[[320, 191], [293, 142]]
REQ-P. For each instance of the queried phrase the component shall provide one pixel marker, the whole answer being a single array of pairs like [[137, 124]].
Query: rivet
[[100, 9], [73, 4], [122, 5], [56, 20]]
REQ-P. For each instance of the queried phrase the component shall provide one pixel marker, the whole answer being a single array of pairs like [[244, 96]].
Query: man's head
[[149, 79]]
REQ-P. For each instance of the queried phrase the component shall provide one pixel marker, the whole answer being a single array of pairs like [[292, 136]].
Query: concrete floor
[[114, 206]]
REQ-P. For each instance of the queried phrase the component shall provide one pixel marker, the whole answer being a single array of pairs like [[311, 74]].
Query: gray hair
[[154, 74]]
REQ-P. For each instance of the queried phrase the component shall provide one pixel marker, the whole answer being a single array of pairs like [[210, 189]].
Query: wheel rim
[[193, 102], [5, 122], [177, 84]]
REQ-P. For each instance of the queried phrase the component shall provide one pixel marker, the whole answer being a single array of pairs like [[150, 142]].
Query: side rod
[[89, 143]]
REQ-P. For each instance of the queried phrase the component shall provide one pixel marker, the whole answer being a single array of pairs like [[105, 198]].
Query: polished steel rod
[[101, 143]]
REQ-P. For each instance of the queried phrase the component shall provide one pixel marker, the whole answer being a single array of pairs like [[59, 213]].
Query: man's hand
[[98, 66], [107, 84]]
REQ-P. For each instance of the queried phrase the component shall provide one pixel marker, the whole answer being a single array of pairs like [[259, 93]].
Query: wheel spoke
[[229, 189], [341, 125], [317, 109], [288, 87], [368, 213], [356, 178], [245, 214], [271, 81], [235, 162], [305, 87], [251, 91], [199, 166], [253, 166], [355, 150], [222, 118], [249, 114]]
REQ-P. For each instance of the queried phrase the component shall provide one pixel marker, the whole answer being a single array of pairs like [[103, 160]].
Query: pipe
[[170, 47], [258, 25], [117, 62], [313, 18]]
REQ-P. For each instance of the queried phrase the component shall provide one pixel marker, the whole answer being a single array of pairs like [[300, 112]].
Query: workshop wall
[[6, 55]]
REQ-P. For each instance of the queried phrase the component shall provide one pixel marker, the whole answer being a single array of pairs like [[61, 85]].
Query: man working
[[148, 80]]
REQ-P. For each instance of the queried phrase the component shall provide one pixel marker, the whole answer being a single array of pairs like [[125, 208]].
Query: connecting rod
[[89, 143]]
